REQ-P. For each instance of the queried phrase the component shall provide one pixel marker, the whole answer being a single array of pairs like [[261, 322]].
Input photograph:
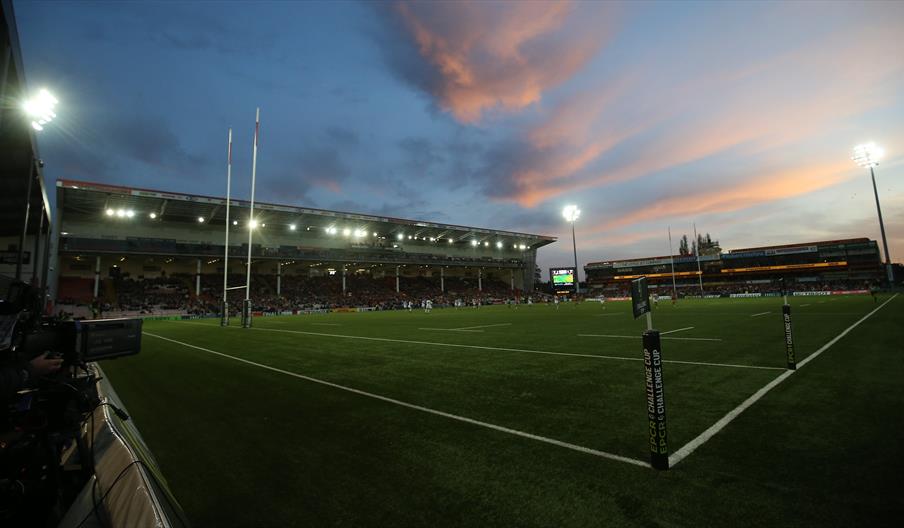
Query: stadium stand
[[143, 252], [825, 266]]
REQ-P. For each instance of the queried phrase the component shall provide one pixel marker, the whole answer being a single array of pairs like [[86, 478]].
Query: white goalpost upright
[[672, 260], [224, 319], [246, 305]]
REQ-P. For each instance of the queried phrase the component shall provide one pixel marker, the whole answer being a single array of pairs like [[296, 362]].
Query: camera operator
[[17, 375]]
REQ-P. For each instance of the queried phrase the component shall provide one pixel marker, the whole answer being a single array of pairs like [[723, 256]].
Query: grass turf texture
[[245, 446]]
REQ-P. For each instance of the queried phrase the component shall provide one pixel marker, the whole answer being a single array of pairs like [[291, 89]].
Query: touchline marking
[[481, 326], [479, 347], [638, 337], [706, 435], [566, 445], [759, 314], [678, 330], [453, 330], [327, 324]]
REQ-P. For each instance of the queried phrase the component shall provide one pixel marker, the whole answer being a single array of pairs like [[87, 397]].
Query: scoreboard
[[562, 279]]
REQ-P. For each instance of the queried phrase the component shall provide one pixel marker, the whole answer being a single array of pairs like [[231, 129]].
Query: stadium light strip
[[658, 275], [787, 267]]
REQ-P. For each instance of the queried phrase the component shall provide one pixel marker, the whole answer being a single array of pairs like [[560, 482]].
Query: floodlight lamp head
[[571, 213], [40, 108], [867, 154]]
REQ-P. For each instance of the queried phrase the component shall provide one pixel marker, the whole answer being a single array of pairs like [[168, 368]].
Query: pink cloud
[[770, 105], [499, 55]]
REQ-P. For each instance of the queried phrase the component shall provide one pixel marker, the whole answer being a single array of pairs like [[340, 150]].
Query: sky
[[739, 117]]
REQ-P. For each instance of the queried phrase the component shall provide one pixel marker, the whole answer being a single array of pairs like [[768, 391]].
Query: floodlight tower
[[868, 155], [39, 109], [571, 214]]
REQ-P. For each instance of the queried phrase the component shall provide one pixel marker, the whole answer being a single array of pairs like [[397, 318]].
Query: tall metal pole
[[672, 259], [246, 307], [31, 173], [888, 268], [699, 271], [34, 257], [224, 320], [577, 272]]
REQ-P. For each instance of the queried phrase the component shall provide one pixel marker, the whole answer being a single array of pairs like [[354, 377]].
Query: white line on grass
[[638, 337], [453, 330], [479, 347], [566, 445], [759, 314], [327, 324], [606, 315], [481, 326], [678, 330], [706, 435], [808, 304]]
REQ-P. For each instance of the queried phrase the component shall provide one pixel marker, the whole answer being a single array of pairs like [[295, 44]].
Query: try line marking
[[453, 330], [479, 347], [706, 435], [638, 337], [553, 441], [678, 330], [759, 314], [481, 326]]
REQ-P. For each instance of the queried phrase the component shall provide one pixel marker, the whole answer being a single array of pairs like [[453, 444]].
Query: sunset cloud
[[493, 55], [617, 133], [778, 185]]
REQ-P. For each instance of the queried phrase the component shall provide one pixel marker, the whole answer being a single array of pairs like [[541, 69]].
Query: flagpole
[[672, 259], [699, 271], [225, 318], [246, 316]]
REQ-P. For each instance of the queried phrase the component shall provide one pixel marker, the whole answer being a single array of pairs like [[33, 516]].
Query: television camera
[[44, 458]]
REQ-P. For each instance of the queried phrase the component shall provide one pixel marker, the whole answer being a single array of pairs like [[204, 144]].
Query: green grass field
[[515, 417]]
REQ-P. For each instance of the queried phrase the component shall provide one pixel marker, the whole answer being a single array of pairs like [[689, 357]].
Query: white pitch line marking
[[638, 337], [678, 330], [553, 441], [706, 435], [453, 330], [481, 326], [479, 347], [808, 304], [606, 314], [759, 314], [327, 324]]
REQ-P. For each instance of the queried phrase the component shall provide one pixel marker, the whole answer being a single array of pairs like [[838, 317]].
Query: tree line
[[705, 243]]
